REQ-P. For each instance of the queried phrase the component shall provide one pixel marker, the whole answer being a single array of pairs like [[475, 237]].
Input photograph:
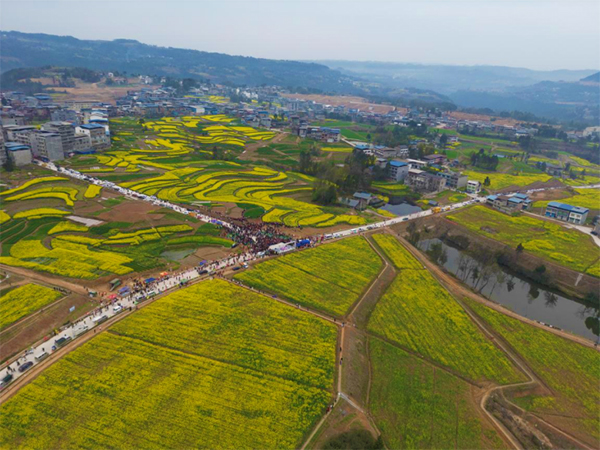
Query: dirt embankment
[[567, 281]]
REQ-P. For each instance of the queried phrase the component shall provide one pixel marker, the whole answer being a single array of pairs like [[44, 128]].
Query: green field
[[211, 366], [570, 370], [504, 180], [417, 405], [330, 277], [543, 238], [417, 313], [22, 301]]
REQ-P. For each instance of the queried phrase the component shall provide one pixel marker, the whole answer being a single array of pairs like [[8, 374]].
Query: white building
[[473, 187], [99, 140]]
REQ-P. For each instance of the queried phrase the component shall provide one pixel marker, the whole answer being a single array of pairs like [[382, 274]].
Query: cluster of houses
[[509, 203], [68, 132], [430, 175], [554, 210]]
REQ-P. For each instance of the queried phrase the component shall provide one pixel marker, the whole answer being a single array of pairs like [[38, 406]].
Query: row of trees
[[484, 160]]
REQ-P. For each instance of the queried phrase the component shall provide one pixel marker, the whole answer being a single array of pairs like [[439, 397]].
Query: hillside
[[576, 101], [593, 78], [36, 50], [447, 79]]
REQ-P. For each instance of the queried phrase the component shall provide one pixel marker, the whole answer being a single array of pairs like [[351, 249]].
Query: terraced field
[[567, 247], [261, 187], [235, 370], [330, 277], [417, 405], [42, 239], [186, 153]]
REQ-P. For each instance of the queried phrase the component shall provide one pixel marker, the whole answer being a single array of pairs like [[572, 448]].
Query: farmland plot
[[420, 315], [569, 369], [417, 405], [22, 301], [399, 256], [330, 277], [549, 240], [210, 366]]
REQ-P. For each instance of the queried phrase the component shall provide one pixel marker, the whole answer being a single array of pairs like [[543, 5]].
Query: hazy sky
[[537, 34]]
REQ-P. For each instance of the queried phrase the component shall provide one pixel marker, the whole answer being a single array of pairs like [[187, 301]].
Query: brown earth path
[[45, 279]]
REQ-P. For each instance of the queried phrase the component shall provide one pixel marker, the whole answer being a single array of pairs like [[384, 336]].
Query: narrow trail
[[533, 380], [348, 320], [44, 279]]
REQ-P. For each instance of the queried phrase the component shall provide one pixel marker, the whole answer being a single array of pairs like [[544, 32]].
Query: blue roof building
[[567, 213]]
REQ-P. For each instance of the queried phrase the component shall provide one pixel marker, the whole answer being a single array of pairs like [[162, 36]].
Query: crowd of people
[[256, 236]]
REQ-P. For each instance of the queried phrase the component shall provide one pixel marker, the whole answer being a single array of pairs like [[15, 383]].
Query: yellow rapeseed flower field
[[330, 277], [421, 316], [210, 366], [23, 300]]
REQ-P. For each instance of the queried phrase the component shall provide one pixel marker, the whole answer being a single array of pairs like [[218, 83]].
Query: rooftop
[[398, 163], [566, 207], [16, 146], [362, 195], [91, 126]]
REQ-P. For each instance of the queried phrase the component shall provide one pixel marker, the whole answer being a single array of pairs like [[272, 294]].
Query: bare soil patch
[[129, 211], [347, 101], [343, 418], [97, 92], [41, 323]]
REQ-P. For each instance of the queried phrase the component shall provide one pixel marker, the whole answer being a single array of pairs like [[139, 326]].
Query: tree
[[443, 140], [305, 163], [141, 121], [520, 248], [9, 165], [487, 181]]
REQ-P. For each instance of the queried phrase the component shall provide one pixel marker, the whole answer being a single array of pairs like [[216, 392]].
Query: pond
[[515, 293], [178, 254], [401, 209]]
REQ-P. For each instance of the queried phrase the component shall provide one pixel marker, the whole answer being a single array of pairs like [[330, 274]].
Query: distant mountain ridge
[[447, 79], [37, 50]]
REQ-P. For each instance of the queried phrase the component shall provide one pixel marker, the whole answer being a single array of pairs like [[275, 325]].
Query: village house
[[473, 187], [567, 213], [422, 181], [398, 170]]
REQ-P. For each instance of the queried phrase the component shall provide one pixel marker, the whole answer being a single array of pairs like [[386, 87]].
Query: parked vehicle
[[62, 341], [5, 381], [23, 367], [41, 356]]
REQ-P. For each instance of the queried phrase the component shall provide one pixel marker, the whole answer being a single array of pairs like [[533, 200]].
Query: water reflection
[[521, 296]]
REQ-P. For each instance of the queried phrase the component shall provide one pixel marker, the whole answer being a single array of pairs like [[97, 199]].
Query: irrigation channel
[[516, 293]]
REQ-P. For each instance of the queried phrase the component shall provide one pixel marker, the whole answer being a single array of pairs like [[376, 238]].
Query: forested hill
[[35, 50]]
